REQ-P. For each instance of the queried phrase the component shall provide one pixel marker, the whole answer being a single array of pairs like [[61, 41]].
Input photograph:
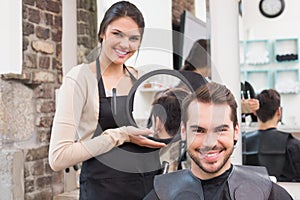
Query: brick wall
[[86, 29], [27, 101], [42, 37]]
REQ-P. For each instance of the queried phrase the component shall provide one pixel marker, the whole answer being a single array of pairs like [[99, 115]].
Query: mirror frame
[[131, 94]]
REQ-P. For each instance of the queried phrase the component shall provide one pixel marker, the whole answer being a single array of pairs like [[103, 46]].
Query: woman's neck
[[108, 68]]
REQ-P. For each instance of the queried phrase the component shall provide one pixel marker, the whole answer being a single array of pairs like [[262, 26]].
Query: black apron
[[125, 172]]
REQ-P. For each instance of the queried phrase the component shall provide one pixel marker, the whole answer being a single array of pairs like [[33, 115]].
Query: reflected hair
[[198, 56], [167, 107]]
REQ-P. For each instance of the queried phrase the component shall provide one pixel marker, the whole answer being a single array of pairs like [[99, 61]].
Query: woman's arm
[[71, 135], [66, 149]]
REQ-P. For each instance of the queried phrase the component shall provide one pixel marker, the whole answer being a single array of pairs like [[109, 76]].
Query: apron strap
[[133, 79]]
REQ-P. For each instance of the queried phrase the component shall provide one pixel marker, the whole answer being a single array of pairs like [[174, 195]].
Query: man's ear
[[278, 112], [182, 131], [236, 133]]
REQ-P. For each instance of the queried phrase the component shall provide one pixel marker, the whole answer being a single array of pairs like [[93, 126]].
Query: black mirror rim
[[131, 94]]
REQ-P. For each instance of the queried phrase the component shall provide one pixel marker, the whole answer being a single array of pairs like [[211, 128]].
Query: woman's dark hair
[[122, 9], [198, 56]]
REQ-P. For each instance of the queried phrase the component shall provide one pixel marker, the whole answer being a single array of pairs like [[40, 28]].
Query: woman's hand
[[137, 136], [250, 105], [253, 105]]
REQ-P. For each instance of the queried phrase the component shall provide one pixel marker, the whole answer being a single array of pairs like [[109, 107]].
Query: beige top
[[76, 119]]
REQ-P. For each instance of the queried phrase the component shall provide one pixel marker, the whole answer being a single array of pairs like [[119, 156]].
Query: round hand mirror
[[149, 104]]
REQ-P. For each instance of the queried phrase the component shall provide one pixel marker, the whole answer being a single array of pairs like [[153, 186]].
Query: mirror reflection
[[147, 93], [156, 103]]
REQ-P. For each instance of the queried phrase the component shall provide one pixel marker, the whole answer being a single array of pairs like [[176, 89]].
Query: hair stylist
[[90, 124]]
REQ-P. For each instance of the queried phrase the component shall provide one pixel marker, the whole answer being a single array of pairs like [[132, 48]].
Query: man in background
[[278, 151]]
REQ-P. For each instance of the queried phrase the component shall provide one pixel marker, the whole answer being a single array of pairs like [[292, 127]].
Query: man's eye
[[134, 39], [221, 130], [198, 131]]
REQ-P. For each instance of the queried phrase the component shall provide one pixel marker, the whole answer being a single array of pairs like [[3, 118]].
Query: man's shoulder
[[250, 134], [268, 135], [250, 180], [180, 183], [254, 173], [257, 176]]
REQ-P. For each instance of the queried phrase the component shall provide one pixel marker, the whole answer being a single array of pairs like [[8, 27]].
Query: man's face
[[210, 138]]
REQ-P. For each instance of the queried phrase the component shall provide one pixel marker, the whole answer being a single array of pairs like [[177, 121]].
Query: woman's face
[[121, 39]]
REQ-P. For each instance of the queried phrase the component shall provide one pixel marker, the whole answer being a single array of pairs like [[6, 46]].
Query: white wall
[[69, 35], [200, 9], [256, 26], [11, 37], [225, 52]]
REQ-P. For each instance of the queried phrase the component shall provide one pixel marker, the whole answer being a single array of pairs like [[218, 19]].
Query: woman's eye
[[117, 34]]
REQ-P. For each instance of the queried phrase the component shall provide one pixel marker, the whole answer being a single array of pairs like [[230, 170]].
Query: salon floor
[[72, 195]]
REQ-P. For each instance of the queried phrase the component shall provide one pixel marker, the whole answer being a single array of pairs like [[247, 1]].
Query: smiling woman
[[91, 108]]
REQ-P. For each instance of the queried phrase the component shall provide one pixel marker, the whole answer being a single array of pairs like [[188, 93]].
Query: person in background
[[166, 119], [198, 59], [210, 127], [90, 124], [278, 151]]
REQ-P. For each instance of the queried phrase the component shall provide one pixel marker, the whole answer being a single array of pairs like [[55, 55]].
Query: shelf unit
[[286, 81], [271, 64], [286, 50], [257, 52], [260, 79]]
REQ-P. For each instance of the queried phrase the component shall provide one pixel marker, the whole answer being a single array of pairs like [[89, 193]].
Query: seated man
[[211, 129], [278, 151]]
